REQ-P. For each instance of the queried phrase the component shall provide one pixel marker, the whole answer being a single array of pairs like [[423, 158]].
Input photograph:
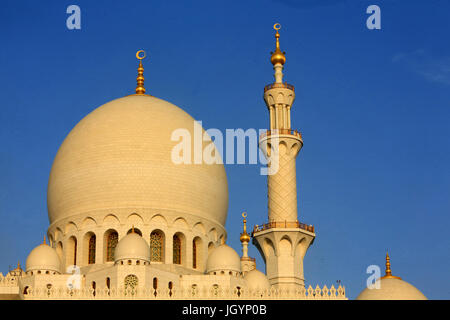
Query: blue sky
[[373, 107]]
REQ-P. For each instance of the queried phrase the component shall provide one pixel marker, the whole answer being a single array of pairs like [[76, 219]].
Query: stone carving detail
[[139, 293]]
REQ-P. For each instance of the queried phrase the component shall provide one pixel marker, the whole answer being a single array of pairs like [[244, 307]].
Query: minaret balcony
[[281, 132], [279, 85], [283, 224], [248, 259]]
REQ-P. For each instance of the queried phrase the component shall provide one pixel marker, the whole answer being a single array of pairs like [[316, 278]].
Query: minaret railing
[[283, 224], [281, 131], [279, 85]]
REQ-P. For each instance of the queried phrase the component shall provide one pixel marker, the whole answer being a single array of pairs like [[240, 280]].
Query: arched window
[[197, 249], [157, 246], [170, 288], [108, 283], [71, 254], [194, 254], [131, 281], [92, 244], [194, 289], [75, 247], [216, 290], [59, 250], [113, 239], [94, 286], [155, 286], [176, 249]]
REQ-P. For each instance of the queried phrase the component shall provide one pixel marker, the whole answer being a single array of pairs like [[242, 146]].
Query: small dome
[[223, 258], [392, 289], [132, 246], [256, 280], [43, 257]]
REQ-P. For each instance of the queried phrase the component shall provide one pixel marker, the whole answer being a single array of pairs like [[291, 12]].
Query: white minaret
[[283, 241]]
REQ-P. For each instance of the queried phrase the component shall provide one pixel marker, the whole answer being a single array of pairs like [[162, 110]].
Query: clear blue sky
[[373, 106]]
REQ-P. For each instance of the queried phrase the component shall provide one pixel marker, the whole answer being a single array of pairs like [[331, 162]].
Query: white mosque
[[126, 222]]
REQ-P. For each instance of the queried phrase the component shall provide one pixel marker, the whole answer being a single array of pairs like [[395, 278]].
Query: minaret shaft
[[282, 187]]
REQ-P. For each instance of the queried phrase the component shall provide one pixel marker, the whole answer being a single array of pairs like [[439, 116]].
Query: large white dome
[[119, 157]]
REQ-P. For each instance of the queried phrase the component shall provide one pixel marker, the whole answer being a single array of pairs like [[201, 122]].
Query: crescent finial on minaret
[[278, 56], [245, 237]]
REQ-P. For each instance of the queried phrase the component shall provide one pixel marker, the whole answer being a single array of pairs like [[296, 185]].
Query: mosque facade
[[126, 222]]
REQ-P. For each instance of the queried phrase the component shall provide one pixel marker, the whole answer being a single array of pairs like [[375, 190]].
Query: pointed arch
[[71, 251], [157, 242], [197, 253], [179, 252], [111, 238]]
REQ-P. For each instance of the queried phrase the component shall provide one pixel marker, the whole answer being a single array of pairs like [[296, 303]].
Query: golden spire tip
[[388, 274], [44, 240], [140, 78], [244, 235], [277, 56]]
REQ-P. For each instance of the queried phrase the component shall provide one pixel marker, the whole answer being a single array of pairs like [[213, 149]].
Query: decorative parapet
[[283, 224], [8, 280], [64, 293]]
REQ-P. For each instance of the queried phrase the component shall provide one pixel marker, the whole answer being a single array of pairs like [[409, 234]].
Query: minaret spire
[[140, 78], [247, 263], [278, 57], [245, 237]]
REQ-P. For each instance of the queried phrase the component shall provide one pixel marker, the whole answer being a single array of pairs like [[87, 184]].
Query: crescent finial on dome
[[140, 78], [388, 274]]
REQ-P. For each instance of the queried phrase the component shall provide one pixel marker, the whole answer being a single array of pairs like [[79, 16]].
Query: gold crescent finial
[[138, 54], [140, 78], [44, 240], [277, 57], [244, 235]]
